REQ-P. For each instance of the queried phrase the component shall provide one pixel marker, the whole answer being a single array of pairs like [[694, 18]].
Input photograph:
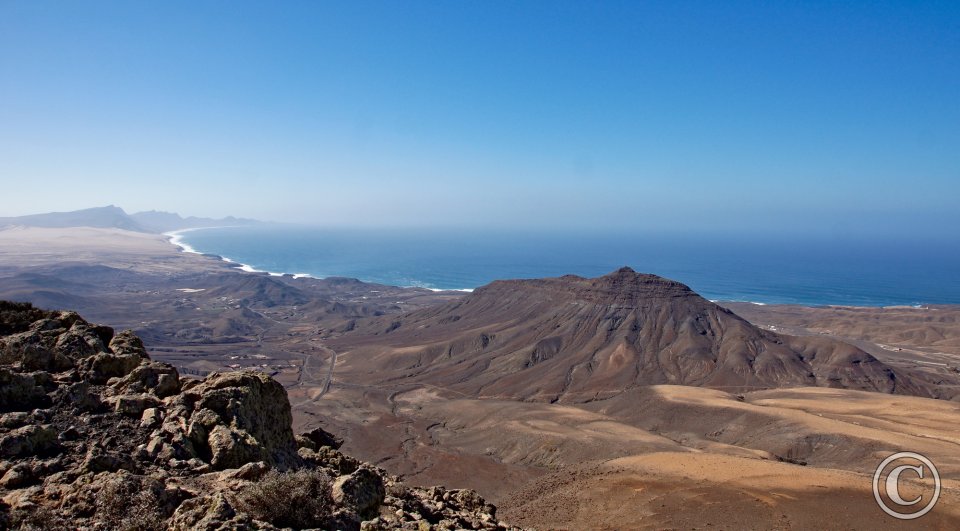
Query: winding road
[[306, 377]]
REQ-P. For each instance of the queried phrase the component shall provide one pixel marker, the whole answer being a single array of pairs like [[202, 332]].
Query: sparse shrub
[[36, 519], [125, 504], [299, 499]]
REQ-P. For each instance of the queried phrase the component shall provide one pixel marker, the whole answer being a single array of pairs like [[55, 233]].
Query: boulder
[[128, 343], [248, 472], [19, 475], [209, 513], [151, 417], [14, 420], [20, 392], [28, 440], [468, 499], [106, 461], [134, 405], [318, 438], [233, 448], [99, 368], [30, 352], [79, 342], [150, 377], [80, 397], [257, 411], [201, 423], [363, 491], [327, 457]]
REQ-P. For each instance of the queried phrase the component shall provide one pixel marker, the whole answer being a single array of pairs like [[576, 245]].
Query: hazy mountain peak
[[112, 216]]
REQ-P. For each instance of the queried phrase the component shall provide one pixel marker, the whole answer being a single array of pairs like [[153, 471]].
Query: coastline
[[175, 238]]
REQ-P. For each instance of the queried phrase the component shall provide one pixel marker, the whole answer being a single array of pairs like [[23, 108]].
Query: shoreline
[[174, 237]]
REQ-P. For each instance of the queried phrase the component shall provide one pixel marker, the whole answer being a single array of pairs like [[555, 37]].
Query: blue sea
[[811, 271]]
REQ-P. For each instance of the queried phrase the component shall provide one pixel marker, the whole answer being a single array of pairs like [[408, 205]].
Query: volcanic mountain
[[574, 339], [115, 217]]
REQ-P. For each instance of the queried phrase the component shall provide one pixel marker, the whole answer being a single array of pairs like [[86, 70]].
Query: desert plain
[[462, 390]]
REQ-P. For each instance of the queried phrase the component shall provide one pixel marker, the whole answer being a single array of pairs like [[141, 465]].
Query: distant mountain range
[[115, 217]]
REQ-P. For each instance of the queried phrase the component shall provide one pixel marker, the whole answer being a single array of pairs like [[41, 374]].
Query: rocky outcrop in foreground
[[96, 435]]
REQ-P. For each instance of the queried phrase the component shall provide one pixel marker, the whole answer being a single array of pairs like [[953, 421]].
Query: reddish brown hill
[[577, 339]]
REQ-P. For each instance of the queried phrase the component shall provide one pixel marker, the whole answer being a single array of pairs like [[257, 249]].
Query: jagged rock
[[250, 471], [67, 318], [468, 499], [99, 368], [14, 420], [19, 475], [318, 438], [80, 397], [69, 434], [201, 423], [232, 448], [327, 457], [150, 377], [101, 461], [29, 351], [210, 513], [363, 491], [151, 417], [242, 400], [28, 440], [134, 405], [80, 341], [16, 317], [19, 392], [67, 460], [128, 343]]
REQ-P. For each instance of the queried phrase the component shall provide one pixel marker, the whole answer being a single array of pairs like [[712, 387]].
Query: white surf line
[[176, 238], [464, 290]]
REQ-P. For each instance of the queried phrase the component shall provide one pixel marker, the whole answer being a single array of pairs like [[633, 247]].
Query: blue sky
[[774, 116]]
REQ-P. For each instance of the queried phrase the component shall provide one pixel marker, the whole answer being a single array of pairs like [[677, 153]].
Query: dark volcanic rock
[[20, 392], [318, 438], [95, 435]]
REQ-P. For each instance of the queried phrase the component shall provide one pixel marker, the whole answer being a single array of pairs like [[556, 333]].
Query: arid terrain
[[621, 402]]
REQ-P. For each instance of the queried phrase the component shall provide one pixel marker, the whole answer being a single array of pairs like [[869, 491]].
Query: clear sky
[[792, 116]]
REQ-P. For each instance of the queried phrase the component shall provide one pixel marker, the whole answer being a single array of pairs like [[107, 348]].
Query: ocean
[[811, 271]]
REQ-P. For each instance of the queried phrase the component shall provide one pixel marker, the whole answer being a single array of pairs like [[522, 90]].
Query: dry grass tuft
[[299, 499]]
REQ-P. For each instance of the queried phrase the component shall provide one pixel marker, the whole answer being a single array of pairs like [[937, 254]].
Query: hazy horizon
[[802, 119]]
